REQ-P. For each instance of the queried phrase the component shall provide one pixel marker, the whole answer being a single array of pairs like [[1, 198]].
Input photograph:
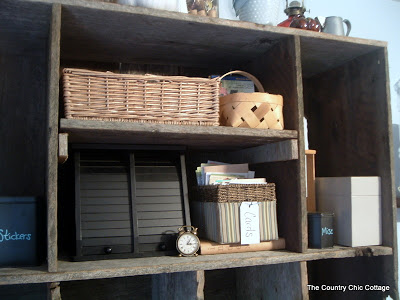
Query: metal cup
[[334, 25]]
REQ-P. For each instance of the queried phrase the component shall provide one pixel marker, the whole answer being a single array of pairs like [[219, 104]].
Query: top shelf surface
[[109, 32]]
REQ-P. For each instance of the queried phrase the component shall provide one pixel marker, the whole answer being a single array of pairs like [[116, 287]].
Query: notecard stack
[[231, 206]]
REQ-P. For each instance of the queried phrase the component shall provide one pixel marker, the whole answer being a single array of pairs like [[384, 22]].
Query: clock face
[[187, 243]]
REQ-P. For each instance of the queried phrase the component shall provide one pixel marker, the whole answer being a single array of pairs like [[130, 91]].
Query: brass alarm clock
[[187, 242]]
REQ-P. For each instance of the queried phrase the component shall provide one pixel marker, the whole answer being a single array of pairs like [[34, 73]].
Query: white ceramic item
[[127, 2], [171, 5]]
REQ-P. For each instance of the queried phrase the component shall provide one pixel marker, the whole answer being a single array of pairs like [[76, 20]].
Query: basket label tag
[[249, 223]]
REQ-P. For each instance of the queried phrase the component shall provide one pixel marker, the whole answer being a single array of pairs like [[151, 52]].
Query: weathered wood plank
[[23, 34], [160, 32], [185, 191], [182, 285], [304, 280], [133, 288], [24, 292], [209, 137], [353, 118], [285, 79], [220, 284], [54, 292], [23, 133], [281, 281], [279, 151], [62, 147], [52, 137], [355, 123], [357, 271], [140, 266]]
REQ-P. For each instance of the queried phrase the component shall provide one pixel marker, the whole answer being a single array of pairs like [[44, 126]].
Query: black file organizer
[[128, 202]]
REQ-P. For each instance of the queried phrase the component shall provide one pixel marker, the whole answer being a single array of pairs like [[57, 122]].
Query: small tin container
[[320, 230]]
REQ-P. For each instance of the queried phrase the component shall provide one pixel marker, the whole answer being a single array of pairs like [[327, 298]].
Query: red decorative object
[[296, 19]]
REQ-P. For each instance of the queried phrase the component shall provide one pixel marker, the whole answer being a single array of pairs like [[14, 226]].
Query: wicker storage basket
[[251, 110], [140, 98], [236, 193], [216, 211]]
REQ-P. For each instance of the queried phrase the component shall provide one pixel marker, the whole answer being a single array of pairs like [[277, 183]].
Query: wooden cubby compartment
[[340, 84]]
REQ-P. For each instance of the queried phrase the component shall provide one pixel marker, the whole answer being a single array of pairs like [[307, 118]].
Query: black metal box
[[19, 232], [320, 230]]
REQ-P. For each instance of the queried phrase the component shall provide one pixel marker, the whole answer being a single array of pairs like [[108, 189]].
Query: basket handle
[[257, 83]]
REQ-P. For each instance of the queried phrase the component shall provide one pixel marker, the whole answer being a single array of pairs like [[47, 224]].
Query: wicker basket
[[236, 193], [140, 98], [216, 211], [251, 110]]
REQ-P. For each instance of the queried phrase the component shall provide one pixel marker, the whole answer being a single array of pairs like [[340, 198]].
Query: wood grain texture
[[220, 284], [158, 33], [132, 199], [286, 79], [178, 286], [359, 271], [185, 191], [23, 104], [155, 265], [23, 33], [53, 292], [350, 127], [24, 292], [52, 137], [133, 288], [279, 151], [304, 280], [203, 137], [62, 147], [280, 282], [23, 130]]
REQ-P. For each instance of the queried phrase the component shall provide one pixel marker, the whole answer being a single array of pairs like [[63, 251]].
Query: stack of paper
[[214, 172]]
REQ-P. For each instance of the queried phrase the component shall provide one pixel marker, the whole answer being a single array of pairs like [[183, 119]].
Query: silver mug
[[334, 25]]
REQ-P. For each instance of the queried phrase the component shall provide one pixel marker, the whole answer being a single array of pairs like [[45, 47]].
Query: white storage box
[[356, 203]]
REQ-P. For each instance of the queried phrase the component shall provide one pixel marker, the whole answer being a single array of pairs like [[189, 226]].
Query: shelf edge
[[69, 271]]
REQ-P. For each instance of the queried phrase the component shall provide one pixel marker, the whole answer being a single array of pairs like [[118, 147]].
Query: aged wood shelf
[[199, 137], [144, 266]]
